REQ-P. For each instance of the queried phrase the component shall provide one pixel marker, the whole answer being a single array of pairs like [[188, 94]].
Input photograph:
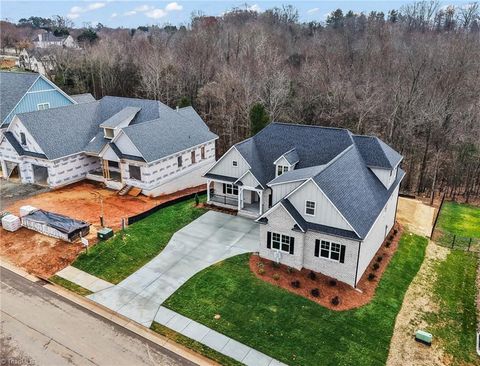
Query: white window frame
[[310, 208], [107, 136], [235, 163], [329, 248], [41, 106], [232, 188], [281, 169], [279, 241]]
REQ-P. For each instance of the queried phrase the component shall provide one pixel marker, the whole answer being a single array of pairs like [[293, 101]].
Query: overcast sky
[[131, 14]]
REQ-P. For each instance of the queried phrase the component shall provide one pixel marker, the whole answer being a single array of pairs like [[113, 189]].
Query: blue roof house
[[325, 198]]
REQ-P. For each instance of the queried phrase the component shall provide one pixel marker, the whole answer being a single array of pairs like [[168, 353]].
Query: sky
[[131, 14]]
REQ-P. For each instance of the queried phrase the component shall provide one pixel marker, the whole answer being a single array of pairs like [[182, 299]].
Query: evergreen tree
[[258, 118]]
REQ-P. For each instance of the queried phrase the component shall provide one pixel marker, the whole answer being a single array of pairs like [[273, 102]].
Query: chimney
[[178, 108]]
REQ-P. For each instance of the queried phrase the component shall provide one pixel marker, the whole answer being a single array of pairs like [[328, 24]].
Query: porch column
[[208, 190], [260, 194], [240, 198]]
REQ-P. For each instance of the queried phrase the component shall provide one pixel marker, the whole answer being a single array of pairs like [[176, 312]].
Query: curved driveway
[[211, 238]]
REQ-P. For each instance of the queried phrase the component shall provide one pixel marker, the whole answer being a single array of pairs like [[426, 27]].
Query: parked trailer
[[56, 225]]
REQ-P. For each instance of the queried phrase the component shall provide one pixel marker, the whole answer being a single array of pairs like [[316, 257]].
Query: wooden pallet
[[135, 191]]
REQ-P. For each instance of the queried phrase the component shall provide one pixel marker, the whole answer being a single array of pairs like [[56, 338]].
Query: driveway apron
[[211, 238]]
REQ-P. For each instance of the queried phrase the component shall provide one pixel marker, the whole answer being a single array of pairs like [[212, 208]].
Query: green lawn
[[460, 220], [454, 292], [293, 329], [70, 286], [120, 256]]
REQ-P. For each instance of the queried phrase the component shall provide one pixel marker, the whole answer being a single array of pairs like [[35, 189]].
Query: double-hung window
[[281, 169], [42, 106], [280, 242], [23, 139], [330, 250], [231, 189], [310, 208]]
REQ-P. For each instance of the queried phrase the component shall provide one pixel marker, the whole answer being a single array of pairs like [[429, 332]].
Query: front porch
[[109, 174], [247, 201]]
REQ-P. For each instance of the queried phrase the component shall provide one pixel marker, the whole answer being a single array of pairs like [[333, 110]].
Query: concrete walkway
[[213, 339], [83, 279], [211, 238]]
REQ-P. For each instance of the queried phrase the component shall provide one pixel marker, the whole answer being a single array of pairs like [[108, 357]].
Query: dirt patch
[[404, 350], [415, 215], [12, 191], [44, 256], [349, 297]]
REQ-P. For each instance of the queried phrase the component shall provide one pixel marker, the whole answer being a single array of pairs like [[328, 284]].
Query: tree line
[[410, 77]]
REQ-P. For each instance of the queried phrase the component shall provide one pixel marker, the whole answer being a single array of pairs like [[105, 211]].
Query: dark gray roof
[[121, 155], [97, 143], [219, 177], [355, 190], [166, 135], [191, 114], [83, 98], [62, 131], [297, 174], [13, 86], [119, 117], [50, 37], [19, 149], [149, 109], [376, 153], [292, 157]]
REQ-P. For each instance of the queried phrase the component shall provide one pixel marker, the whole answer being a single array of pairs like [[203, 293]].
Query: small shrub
[[276, 276], [379, 258], [290, 270], [332, 282], [388, 243], [391, 237], [260, 265], [312, 275], [261, 271], [395, 231], [375, 266], [197, 199], [275, 265], [315, 292], [335, 300], [371, 276], [295, 284]]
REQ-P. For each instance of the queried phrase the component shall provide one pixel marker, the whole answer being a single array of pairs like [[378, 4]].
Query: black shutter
[[342, 253], [269, 239], [292, 244], [270, 199], [224, 188], [317, 248]]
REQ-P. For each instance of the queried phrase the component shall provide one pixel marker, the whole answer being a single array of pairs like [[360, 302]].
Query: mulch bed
[[225, 210], [349, 297]]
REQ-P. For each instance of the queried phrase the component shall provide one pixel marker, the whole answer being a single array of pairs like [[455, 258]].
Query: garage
[[12, 170], [40, 174]]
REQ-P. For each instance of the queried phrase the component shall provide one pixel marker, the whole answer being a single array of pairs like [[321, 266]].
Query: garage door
[[40, 174]]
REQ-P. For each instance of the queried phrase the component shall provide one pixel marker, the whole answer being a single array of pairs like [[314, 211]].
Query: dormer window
[[109, 134], [281, 169], [43, 106], [23, 139]]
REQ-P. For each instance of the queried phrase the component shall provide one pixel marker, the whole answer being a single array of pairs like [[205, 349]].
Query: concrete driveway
[[209, 239]]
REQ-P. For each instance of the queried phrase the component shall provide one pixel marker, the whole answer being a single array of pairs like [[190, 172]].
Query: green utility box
[[105, 233], [423, 337]]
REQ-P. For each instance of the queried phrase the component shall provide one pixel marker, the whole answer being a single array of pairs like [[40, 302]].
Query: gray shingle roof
[[376, 153], [119, 117], [13, 86], [297, 174], [166, 135], [50, 37], [191, 114], [292, 157], [19, 149], [83, 98], [96, 144]]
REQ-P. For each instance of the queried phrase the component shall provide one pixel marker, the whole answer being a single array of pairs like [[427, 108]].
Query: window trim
[[234, 163], [281, 243], [283, 168], [314, 208], [43, 104], [329, 243], [233, 188]]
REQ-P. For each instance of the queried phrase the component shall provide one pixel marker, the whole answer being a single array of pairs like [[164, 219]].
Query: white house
[[36, 60], [118, 141], [48, 39], [326, 198]]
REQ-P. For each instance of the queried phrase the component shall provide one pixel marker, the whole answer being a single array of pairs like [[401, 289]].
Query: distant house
[[26, 92], [48, 39], [117, 141], [37, 60], [83, 98], [326, 198]]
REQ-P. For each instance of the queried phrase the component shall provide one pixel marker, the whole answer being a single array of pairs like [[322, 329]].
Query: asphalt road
[[39, 327]]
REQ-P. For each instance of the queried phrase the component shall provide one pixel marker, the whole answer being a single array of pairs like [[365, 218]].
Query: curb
[[114, 317]]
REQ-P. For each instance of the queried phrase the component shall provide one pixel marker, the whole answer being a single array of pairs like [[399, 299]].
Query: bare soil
[[350, 298], [404, 350], [44, 256], [415, 215]]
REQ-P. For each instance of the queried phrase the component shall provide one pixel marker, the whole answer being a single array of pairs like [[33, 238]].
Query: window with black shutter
[[330, 250], [269, 239]]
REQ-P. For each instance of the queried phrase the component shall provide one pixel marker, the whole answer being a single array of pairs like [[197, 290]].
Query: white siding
[[249, 180], [126, 146], [325, 211], [16, 127], [281, 190], [70, 169], [224, 166], [386, 176], [376, 236]]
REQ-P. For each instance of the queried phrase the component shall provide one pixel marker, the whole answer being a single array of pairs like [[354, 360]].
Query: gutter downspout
[[358, 260]]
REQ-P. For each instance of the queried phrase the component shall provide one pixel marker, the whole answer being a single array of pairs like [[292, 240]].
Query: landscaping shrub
[[391, 237], [315, 292], [388, 243], [335, 300], [295, 284], [290, 270], [276, 276], [312, 275], [376, 266], [379, 258], [395, 231], [261, 271], [275, 265], [332, 282], [371, 276]]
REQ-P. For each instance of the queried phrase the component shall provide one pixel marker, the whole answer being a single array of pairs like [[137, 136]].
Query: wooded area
[[410, 77]]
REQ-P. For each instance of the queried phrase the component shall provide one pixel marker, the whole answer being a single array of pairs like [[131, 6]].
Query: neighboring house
[[26, 92], [117, 141], [36, 60], [48, 39], [326, 198], [83, 98]]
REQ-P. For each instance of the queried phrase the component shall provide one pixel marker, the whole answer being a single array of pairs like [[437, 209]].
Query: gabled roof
[[297, 175], [19, 149], [50, 37], [376, 153], [127, 113], [191, 114], [13, 86], [83, 98], [292, 156]]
